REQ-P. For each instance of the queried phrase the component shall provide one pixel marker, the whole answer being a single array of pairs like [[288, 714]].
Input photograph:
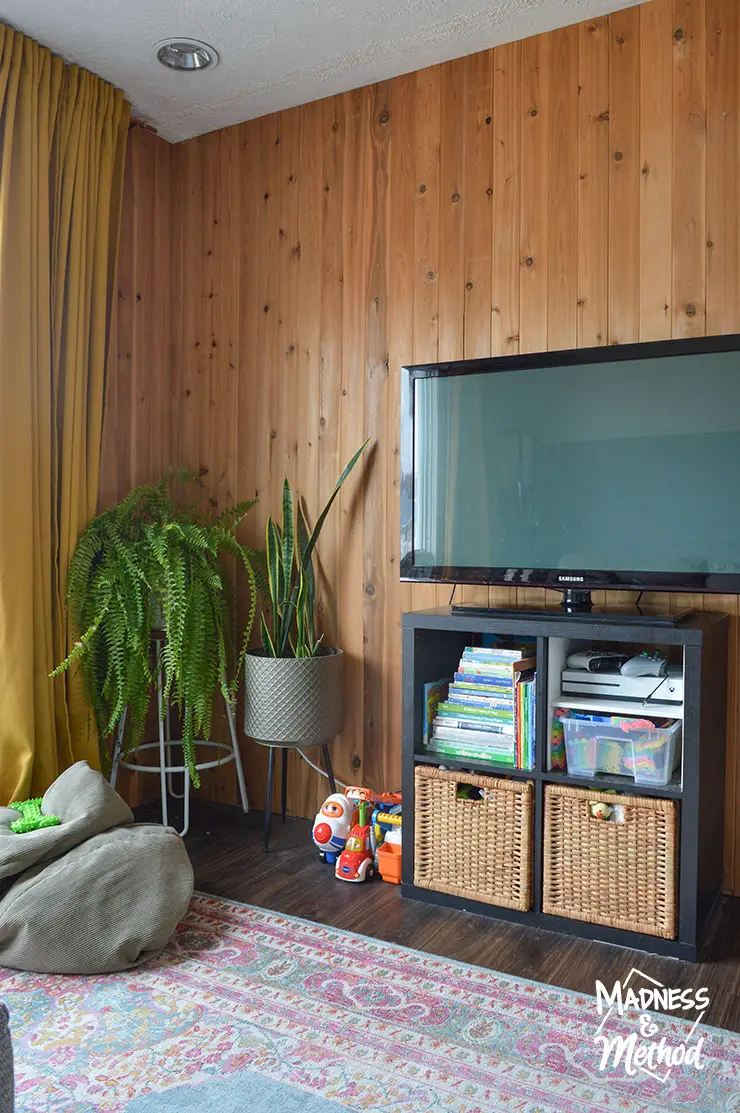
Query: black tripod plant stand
[[284, 779]]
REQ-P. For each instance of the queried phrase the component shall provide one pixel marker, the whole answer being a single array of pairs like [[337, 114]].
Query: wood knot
[[326, 188], [384, 116], [618, 156], [645, 170], [267, 196], [529, 261], [455, 198], [468, 285], [335, 126], [265, 309], [369, 589], [422, 188], [138, 297], [431, 276], [619, 40], [533, 110], [710, 243], [603, 117], [678, 34], [489, 191], [489, 119], [691, 310], [356, 762]]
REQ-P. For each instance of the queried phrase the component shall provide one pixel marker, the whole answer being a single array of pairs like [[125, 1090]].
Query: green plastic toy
[[32, 818]]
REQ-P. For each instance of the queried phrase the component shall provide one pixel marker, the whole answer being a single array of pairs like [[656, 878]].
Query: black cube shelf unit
[[433, 641]]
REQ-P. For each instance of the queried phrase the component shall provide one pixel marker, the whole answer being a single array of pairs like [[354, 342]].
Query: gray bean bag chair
[[94, 894]]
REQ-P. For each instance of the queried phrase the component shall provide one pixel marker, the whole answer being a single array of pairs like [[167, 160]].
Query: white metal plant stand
[[165, 768]]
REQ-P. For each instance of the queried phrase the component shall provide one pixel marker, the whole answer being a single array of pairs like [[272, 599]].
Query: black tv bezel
[[560, 578]]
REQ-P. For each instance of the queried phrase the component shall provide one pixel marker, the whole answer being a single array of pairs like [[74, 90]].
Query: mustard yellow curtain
[[62, 148]]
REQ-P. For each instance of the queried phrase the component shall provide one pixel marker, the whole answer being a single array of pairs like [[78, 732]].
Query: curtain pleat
[[62, 151]]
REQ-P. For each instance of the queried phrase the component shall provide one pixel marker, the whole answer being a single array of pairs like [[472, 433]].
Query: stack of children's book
[[487, 712]]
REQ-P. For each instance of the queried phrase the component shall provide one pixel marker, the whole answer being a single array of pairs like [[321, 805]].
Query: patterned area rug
[[248, 1010]]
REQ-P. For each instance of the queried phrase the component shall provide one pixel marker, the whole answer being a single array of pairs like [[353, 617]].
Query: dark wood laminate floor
[[226, 850]]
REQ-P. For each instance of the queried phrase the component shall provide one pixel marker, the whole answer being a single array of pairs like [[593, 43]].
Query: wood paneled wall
[[576, 188]]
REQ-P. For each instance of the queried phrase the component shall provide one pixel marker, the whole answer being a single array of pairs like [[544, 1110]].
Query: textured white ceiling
[[275, 53]]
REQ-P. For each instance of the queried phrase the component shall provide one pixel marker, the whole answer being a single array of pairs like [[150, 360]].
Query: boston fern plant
[[291, 579], [149, 561]]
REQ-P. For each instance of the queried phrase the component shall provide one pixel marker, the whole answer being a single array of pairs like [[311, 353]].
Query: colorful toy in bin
[[357, 860], [332, 825]]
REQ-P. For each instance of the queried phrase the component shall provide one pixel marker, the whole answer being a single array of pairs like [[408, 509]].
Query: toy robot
[[332, 826]]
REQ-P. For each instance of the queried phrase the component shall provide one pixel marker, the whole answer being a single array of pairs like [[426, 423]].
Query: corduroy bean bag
[[95, 894]]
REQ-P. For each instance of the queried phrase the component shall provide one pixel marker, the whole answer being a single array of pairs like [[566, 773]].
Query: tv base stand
[[578, 605]]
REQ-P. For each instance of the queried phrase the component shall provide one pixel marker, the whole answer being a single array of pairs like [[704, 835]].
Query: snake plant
[[291, 629]]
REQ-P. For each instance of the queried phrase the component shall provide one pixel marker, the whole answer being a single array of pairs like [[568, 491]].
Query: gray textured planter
[[293, 701]]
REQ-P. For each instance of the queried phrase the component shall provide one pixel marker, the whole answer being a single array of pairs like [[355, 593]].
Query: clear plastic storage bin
[[648, 755]]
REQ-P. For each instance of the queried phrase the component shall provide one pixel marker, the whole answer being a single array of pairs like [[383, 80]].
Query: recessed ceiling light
[[185, 54]]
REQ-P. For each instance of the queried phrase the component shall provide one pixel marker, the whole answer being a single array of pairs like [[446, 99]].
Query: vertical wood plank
[[593, 182], [656, 171], [624, 178], [452, 207], [125, 323], [535, 193], [689, 173], [377, 668], [478, 240], [191, 219], [562, 279], [333, 128], [141, 378], [357, 205], [723, 225], [177, 287], [301, 787], [507, 182], [264, 388]]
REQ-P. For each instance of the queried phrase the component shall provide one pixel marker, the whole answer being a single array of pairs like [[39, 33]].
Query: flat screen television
[[600, 468]]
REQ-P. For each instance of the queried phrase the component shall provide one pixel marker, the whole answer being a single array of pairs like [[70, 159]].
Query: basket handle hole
[[468, 792]]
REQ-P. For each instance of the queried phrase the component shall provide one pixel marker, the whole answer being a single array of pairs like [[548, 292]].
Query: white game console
[[665, 689]]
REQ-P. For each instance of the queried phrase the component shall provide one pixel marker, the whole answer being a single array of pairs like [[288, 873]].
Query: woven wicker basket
[[479, 849], [622, 875]]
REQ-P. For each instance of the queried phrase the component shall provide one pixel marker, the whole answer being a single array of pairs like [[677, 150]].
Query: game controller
[[645, 664]]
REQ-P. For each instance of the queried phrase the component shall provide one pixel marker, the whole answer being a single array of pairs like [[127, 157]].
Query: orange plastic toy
[[389, 862]]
